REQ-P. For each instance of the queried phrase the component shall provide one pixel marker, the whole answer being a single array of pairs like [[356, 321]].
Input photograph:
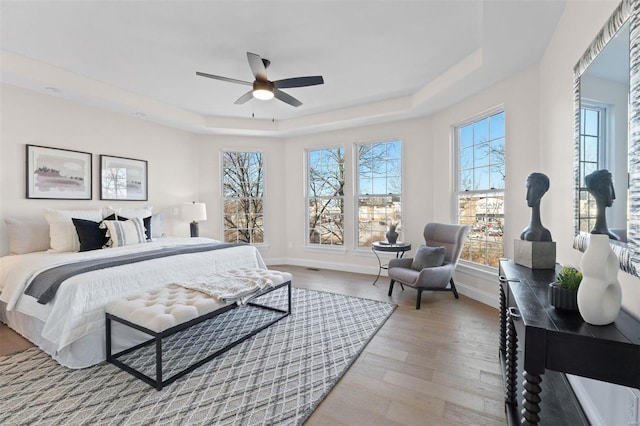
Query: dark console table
[[537, 340]]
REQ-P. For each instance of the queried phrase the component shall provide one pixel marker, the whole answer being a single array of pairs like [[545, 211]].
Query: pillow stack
[[85, 230], [80, 230], [62, 232]]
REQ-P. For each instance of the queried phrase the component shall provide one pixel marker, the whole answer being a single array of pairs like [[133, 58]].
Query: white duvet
[[78, 307]]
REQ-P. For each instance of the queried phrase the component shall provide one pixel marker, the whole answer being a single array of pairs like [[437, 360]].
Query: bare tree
[[326, 191], [243, 190], [380, 184]]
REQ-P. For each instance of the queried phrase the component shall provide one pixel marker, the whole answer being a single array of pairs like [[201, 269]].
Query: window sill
[[481, 271], [325, 249]]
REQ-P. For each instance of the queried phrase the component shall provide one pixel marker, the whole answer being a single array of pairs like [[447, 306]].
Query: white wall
[[538, 107], [519, 98], [38, 119], [428, 179], [276, 171], [578, 26], [417, 201]]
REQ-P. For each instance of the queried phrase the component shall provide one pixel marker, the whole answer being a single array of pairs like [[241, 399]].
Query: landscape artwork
[[123, 179], [54, 173]]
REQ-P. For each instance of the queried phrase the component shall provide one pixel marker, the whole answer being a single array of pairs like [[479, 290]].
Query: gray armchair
[[437, 278]]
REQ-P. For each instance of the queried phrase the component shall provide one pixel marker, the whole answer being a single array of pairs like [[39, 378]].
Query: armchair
[[437, 278]]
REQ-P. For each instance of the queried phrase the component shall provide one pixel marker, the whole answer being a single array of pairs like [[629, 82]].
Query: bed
[[71, 327]]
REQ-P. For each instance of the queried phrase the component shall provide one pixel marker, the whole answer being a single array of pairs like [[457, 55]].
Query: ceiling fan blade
[[286, 98], [298, 82], [244, 98], [257, 66], [230, 80]]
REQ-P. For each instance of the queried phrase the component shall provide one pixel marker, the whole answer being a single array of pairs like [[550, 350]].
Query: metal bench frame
[[158, 383]]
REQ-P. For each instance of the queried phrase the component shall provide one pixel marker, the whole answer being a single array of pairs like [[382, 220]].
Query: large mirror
[[606, 114]]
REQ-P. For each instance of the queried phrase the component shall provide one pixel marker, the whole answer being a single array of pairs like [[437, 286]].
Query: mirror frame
[[627, 10]]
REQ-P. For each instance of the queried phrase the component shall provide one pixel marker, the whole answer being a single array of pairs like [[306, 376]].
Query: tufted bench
[[167, 310]]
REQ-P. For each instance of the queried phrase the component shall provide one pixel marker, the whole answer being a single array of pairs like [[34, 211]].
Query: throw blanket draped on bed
[[228, 287], [45, 285]]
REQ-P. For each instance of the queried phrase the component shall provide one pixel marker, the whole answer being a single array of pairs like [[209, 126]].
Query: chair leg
[[453, 288], [418, 299], [391, 287]]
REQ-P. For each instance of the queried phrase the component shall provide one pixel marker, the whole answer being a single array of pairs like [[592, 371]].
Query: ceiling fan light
[[262, 90], [263, 94]]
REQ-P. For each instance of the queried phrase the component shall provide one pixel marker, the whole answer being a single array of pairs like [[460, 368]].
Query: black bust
[[537, 185], [600, 185]]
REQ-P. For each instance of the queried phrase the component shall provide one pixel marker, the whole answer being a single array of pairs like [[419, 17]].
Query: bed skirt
[[84, 352]]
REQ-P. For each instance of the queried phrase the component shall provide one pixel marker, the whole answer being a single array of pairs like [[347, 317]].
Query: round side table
[[398, 248]]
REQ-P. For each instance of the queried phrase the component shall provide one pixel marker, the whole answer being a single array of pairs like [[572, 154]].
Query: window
[[379, 194], [243, 197], [325, 196], [480, 187], [592, 158]]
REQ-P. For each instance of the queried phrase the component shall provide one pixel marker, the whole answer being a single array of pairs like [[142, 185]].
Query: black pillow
[[90, 235], [428, 257]]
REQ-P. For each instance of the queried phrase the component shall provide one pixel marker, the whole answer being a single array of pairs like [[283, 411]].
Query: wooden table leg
[[511, 362], [503, 321], [531, 401]]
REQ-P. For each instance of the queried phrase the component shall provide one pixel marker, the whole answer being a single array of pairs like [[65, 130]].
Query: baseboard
[[309, 263], [276, 261], [481, 296], [585, 400]]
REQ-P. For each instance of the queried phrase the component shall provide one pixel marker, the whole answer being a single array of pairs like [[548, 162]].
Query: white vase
[[599, 294]]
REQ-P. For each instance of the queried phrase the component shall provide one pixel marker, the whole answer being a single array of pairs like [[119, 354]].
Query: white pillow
[[62, 233], [157, 225], [124, 232], [127, 212], [27, 235]]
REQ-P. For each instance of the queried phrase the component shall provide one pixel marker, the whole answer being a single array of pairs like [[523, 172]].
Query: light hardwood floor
[[435, 366]]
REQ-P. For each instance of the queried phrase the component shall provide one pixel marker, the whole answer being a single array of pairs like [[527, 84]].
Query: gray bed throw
[[45, 285]]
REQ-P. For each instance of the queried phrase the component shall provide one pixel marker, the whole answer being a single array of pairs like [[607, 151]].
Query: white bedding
[[77, 310]]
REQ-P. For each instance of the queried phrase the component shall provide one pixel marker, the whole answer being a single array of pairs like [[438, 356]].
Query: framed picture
[[123, 179], [54, 173]]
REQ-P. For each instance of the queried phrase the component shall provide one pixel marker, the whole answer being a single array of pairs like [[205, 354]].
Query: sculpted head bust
[[600, 185], [537, 186]]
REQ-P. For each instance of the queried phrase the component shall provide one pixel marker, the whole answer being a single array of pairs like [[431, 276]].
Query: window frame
[[356, 186], [307, 198], [224, 198], [457, 193], [601, 162]]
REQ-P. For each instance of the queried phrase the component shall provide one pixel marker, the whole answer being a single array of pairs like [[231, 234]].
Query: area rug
[[278, 376]]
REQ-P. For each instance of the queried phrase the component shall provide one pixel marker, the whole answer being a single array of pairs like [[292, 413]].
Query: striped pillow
[[123, 233]]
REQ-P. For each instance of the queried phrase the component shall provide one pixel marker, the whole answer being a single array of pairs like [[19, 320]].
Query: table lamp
[[194, 212]]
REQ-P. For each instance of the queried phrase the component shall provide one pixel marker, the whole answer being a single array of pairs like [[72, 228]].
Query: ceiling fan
[[265, 89]]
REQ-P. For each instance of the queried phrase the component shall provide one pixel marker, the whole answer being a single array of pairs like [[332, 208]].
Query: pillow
[[157, 225], [146, 222], [91, 236], [62, 233], [27, 235], [126, 214], [123, 233], [428, 257]]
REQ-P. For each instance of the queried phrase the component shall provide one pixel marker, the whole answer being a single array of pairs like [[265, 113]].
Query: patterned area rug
[[278, 376]]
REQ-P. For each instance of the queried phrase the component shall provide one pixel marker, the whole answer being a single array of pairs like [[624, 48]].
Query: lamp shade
[[194, 211]]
